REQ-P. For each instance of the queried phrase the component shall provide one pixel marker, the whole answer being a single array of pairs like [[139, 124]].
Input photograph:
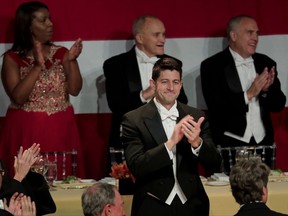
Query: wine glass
[[51, 172], [39, 166], [242, 154]]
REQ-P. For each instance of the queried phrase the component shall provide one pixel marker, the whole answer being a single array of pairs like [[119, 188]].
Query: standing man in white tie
[[164, 141], [241, 88], [128, 74]]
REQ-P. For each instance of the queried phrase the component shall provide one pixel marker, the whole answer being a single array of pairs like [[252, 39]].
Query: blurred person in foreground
[[241, 88], [38, 77], [165, 141], [128, 74], [102, 199], [248, 180], [19, 205], [27, 183]]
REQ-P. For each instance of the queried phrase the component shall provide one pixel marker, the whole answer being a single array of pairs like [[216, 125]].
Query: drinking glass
[[51, 172], [39, 166], [242, 154]]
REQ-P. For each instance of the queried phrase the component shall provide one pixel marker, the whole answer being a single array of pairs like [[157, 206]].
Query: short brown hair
[[166, 63]]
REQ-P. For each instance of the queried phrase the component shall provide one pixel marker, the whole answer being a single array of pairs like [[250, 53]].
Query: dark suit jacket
[[257, 209], [33, 185], [4, 213], [148, 160], [224, 96], [123, 86]]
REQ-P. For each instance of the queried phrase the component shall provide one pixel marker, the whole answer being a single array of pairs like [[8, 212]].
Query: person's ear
[[264, 194], [233, 36], [139, 38], [107, 209]]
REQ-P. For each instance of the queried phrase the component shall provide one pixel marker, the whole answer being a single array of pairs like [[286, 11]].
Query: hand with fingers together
[[14, 203], [38, 54], [75, 50], [28, 207], [270, 79], [24, 160], [20, 205], [191, 129]]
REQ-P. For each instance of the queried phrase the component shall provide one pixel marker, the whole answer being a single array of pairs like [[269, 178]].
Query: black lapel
[[154, 124], [182, 114], [231, 73], [133, 72]]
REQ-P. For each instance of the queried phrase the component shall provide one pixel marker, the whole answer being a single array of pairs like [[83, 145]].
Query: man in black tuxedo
[[164, 142], [128, 74], [248, 180], [241, 88]]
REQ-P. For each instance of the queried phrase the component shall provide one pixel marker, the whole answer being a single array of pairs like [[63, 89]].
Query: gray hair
[[95, 197], [247, 179], [139, 23], [234, 22]]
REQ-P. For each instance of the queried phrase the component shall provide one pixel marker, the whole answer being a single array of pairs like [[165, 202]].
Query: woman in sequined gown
[[38, 77]]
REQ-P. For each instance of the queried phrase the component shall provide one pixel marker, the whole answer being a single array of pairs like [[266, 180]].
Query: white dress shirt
[[247, 74], [145, 66], [169, 125]]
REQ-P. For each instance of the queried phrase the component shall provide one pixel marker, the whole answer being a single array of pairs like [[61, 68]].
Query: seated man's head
[[102, 199], [248, 180]]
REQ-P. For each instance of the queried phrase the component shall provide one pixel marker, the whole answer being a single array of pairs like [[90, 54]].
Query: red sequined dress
[[47, 117]]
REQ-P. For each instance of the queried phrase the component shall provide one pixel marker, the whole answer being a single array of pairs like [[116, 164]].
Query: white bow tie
[[172, 114], [145, 59], [247, 62]]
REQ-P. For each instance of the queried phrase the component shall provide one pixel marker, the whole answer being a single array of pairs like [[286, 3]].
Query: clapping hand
[[75, 50], [191, 129], [24, 160], [20, 205], [149, 92], [270, 79], [28, 207], [262, 82], [38, 54], [14, 204]]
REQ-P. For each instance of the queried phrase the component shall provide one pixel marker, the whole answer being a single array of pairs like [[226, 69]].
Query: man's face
[[244, 38], [151, 38], [118, 208], [167, 87]]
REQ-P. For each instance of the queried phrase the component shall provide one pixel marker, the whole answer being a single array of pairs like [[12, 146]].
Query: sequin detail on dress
[[50, 91]]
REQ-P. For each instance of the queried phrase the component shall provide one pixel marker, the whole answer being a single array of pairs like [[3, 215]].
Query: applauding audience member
[[26, 182], [128, 74], [19, 205], [165, 141], [241, 88], [38, 77]]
